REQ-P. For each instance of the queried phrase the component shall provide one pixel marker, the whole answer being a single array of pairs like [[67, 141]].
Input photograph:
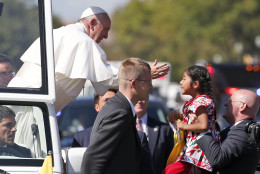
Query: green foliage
[[19, 28], [56, 22], [182, 32]]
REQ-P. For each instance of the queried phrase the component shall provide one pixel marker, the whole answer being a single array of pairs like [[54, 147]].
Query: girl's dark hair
[[201, 74]]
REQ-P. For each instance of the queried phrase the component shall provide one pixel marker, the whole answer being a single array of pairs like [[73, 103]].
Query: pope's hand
[[159, 70]]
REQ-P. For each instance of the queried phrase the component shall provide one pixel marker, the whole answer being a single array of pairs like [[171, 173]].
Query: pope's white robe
[[77, 58]]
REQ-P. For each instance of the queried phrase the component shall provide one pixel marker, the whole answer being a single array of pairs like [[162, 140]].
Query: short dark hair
[[97, 96], [4, 58], [6, 112]]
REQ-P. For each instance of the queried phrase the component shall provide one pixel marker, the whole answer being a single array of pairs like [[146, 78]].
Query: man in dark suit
[[146, 158], [235, 154], [160, 136], [114, 143], [7, 135], [82, 138]]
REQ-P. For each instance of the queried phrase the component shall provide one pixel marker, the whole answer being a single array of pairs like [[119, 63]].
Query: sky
[[70, 10]]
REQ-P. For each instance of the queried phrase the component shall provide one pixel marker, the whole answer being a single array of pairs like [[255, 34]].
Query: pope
[[78, 58]]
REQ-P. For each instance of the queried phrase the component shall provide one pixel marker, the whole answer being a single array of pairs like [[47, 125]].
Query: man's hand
[[193, 118], [159, 70], [173, 116]]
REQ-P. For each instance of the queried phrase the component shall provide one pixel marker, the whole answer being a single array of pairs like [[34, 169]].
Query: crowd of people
[[124, 139]]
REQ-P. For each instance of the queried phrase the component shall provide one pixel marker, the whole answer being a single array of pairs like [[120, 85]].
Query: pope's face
[[7, 131], [101, 29]]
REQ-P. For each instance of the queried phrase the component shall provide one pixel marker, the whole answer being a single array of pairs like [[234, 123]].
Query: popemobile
[[34, 129]]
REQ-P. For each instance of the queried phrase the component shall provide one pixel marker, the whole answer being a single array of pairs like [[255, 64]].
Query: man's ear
[[97, 107], [242, 106], [132, 83], [93, 23]]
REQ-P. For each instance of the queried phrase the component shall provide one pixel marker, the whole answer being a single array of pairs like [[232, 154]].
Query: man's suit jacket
[[114, 143], [16, 150], [146, 158], [82, 138], [234, 155], [160, 137]]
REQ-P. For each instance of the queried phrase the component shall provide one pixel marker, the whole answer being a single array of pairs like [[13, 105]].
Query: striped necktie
[[139, 124]]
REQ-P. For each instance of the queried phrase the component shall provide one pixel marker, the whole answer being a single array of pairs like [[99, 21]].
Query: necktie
[[139, 124]]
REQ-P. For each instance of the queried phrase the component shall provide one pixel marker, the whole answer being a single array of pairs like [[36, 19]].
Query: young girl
[[198, 116]]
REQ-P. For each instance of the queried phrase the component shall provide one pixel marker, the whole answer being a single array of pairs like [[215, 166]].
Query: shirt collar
[[132, 106], [144, 118], [235, 124], [84, 28]]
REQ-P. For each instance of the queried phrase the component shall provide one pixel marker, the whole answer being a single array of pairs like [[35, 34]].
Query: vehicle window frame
[[44, 88], [34, 162]]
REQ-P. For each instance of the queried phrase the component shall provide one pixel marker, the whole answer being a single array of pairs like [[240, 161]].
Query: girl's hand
[[173, 116], [180, 125]]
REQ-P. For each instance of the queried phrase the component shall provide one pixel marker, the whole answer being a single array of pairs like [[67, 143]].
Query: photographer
[[236, 154]]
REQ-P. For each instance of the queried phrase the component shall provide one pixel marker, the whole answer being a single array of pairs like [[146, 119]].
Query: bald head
[[243, 104], [250, 99]]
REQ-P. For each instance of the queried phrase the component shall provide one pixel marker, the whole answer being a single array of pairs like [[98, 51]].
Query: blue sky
[[70, 10]]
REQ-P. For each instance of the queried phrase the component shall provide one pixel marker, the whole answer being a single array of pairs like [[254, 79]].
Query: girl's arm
[[200, 125]]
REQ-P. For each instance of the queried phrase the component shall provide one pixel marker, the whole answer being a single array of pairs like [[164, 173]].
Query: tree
[[182, 32], [19, 28]]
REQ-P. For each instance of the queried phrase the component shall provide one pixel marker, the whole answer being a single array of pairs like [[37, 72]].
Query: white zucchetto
[[92, 10]]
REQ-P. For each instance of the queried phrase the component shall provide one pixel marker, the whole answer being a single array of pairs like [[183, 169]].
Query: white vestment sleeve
[[29, 76], [77, 58], [66, 90]]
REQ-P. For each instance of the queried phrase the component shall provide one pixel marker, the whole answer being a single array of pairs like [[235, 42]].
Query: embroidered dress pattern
[[191, 152]]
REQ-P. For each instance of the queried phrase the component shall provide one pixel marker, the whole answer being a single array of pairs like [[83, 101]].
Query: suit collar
[[240, 123], [127, 104], [131, 104], [235, 124], [126, 101]]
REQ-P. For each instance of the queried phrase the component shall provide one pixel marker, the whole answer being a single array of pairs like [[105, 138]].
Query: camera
[[253, 128]]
